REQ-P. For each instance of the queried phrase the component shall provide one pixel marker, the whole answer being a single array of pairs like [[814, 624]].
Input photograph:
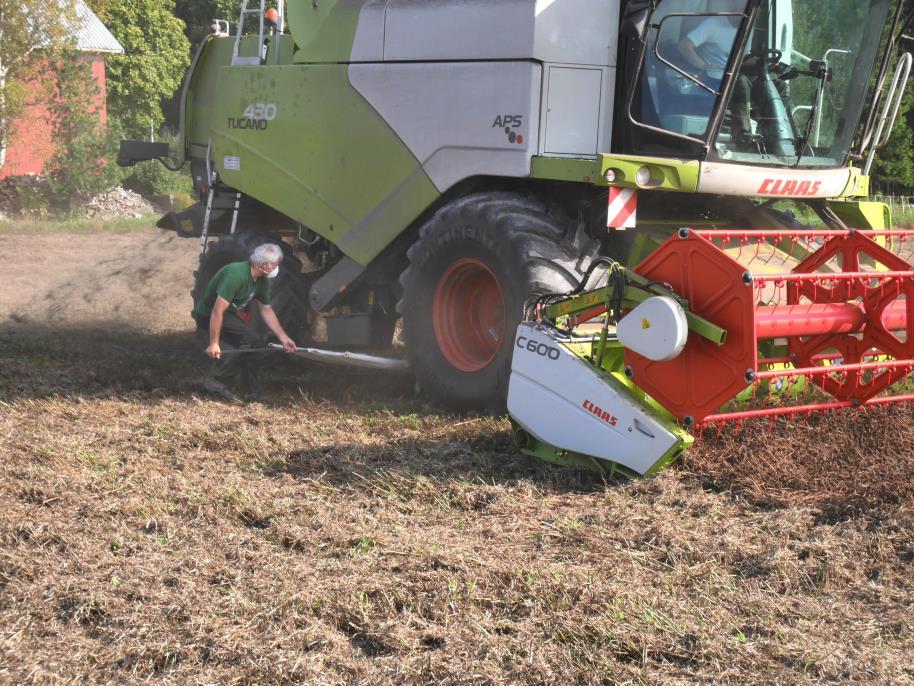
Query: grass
[[903, 218], [344, 533], [76, 224]]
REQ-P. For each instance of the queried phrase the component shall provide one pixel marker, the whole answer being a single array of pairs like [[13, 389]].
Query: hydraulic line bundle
[[713, 327]]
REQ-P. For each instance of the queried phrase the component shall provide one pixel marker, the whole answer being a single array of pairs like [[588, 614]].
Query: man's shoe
[[216, 387], [252, 390]]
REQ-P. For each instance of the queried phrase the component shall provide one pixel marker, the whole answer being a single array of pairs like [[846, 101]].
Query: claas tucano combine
[[575, 210]]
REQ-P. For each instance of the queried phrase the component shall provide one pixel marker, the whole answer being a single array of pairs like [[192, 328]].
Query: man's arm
[[215, 327], [690, 54], [269, 318]]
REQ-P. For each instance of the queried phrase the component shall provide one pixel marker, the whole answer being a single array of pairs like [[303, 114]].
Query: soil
[[101, 279], [342, 532]]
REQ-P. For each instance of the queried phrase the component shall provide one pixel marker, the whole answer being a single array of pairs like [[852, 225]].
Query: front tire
[[476, 263]]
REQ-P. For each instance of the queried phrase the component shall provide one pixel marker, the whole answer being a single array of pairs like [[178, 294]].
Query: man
[[223, 319], [707, 48]]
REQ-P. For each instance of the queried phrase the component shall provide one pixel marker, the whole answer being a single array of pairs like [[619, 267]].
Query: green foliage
[[153, 66], [83, 164], [151, 178], [198, 15], [101, 8], [33, 201], [23, 48]]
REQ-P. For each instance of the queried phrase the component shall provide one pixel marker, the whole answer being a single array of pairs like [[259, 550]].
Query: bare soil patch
[[344, 533], [138, 278]]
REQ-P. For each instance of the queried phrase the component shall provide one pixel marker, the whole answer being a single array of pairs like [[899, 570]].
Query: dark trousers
[[236, 334]]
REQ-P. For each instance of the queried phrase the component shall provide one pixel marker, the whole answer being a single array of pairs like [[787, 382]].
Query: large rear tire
[[475, 264], [288, 291]]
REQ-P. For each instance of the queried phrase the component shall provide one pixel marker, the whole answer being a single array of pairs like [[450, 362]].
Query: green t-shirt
[[234, 283]]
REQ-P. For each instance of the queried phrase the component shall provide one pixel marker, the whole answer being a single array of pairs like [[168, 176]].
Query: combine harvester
[[510, 181]]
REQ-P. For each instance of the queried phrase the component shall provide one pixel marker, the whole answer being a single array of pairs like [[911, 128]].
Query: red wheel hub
[[468, 314]]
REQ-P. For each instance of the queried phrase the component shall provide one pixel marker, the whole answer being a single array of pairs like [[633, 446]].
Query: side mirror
[[132, 152]]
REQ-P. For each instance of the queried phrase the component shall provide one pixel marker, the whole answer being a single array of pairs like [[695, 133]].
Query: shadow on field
[[399, 445], [37, 362], [488, 458], [99, 360], [394, 433]]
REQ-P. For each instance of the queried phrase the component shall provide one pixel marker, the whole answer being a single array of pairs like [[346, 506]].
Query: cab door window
[[689, 44]]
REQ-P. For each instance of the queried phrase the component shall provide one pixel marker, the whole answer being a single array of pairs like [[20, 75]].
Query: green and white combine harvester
[[576, 207]]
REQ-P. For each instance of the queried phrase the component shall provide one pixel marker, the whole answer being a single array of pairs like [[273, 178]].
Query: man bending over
[[223, 318]]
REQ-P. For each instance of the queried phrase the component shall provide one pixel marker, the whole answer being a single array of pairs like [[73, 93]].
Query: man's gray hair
[[268, 252]]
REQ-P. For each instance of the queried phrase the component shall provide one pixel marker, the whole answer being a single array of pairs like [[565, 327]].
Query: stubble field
[[344, 533]]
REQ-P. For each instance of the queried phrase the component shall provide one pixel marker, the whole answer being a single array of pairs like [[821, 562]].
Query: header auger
[[714, 327]]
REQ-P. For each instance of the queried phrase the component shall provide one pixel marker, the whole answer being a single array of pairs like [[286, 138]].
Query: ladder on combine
[[270, 25], [266, 29]]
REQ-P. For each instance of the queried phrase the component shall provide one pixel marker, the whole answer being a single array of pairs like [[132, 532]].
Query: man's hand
[[214, 351], [269, 318]]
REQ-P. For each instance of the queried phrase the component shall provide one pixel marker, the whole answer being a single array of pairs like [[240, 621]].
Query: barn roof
[[91, 34]]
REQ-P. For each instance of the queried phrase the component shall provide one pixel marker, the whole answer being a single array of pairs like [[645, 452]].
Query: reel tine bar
[[848, 330]]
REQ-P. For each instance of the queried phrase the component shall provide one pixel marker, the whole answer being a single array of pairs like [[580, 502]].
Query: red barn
[[29, 146]]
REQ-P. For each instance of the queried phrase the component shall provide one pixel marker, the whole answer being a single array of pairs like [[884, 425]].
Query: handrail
[[892, 102]]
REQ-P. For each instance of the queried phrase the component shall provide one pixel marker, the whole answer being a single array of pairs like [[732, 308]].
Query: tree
[[29, 31], [101, 8], [84, 148], [198, 15], [152, 66]]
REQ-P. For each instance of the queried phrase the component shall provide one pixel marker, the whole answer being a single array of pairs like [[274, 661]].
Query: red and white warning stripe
[[621, 212]]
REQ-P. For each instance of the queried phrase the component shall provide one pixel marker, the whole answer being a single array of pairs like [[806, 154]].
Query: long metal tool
[[349, 359], [337, 357]]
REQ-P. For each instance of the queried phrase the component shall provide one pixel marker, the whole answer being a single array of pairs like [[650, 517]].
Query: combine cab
[[493, 176]]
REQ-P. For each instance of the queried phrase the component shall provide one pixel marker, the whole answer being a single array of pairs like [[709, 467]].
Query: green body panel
[[324, 31], [666, 174], [201, 93], [859, 214], [327, 160], [202, 89]]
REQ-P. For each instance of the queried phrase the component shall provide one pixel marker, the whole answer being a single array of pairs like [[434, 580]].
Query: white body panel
[[446, 114], [577, 110], [557, 398], [737, 179], [577, 31], [368, 45], [448, 65], [572, 31], [656, 329], [435, 30]]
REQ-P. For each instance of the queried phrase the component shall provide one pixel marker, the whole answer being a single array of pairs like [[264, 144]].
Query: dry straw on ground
[[343, 533]]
